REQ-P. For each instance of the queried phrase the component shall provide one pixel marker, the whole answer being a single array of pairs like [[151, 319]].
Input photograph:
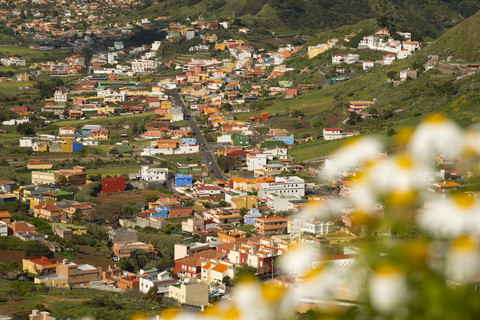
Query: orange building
[[271, 225]]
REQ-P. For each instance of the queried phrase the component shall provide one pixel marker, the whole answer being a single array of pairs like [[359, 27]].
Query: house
[[37, 315], [110, 185], [78, 275], [5, 216], [189, 267], [98, 134], [292, 186], [63, 232], [7, 197], [21, 226], [39, 265], [60, 96], [53, 280], [337, 133], [367, 64], [291, 93], [260, 255], [183, 180], [271, 225], [206, 191], [153, 174], [161, 280], [214, 271], [358, 106], [232, 236], [256, 161], [122, 249], [245, 202], [40, 165], [189, 293], [249, 218], [48, 212], [185, 250], [3, 229], [405, 74], [128, 235]]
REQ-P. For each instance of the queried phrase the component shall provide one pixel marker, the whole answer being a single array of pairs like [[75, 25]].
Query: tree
[[244, 271], [391, 74], [353, 118], [35, 249], [151, 197], [153, 295], [227, 281]]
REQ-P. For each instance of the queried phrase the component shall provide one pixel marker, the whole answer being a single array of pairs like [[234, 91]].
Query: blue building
[[183, 180], [288, 140], [189, 141], [6, 197], [249, 218]]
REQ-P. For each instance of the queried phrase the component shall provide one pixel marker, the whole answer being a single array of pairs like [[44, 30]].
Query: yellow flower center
[[464, 243], [231, 314], [435, 118], [313, 273], [403, 136], [402, 197], [272, 293], [404, 161], [170, 313], [212, 311], [464, 200], [387, 269], [139, 316]]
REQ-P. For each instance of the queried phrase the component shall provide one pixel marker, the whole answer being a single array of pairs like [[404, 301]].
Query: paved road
[[204, 150]]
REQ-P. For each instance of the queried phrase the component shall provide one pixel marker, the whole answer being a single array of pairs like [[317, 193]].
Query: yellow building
[[45, 177], [220, 46], [41, 265], [53, 280], [40, 201], [45, 147], [314, 51], [106, 110], [247, 202], [194, 294]]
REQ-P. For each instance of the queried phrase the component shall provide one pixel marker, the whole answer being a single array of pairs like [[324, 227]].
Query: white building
[[153, 174], [161, 280], [317, 228], [14, 61], [291, 186], [337, 133], [256, 161], [215, 271], [26, 142], [156, 45], [143, 65], [15, 122], [368, 64], [118, 45], [60, 96], [3, 229]]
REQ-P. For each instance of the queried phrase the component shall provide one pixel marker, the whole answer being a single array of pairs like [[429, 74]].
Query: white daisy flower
[[434, 137], [298, 259], [351, 155], [452, 217], [463, 260], [387, 289]]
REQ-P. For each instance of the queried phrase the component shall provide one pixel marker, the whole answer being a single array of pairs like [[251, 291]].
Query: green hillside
[[461, 42], [427, 18]]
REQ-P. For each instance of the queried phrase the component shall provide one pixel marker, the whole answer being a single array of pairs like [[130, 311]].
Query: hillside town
[[130, 167]]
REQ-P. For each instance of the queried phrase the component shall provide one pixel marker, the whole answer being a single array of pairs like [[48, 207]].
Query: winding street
[[204, 150]]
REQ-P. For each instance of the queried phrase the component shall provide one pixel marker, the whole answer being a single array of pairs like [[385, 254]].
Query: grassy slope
[[425, 17], [461, 42]]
